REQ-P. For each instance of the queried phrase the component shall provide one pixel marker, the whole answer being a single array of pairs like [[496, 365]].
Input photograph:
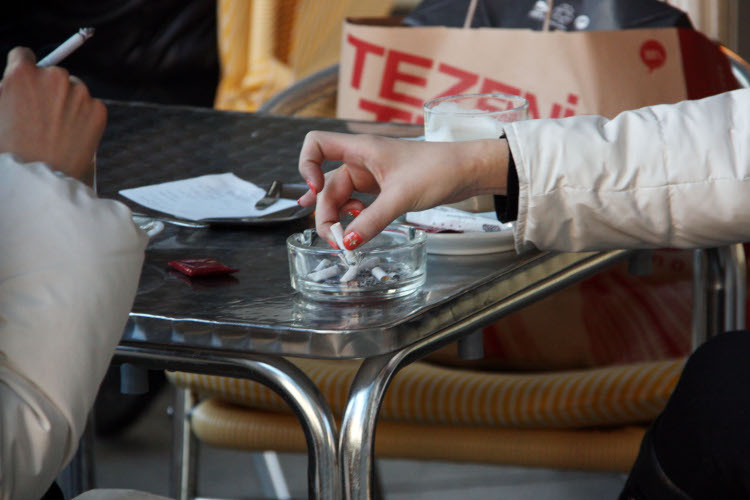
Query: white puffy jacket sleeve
[[661, 176], [69, 269]]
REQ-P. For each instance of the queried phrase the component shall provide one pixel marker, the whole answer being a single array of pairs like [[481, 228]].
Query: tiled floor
[[139, 459]]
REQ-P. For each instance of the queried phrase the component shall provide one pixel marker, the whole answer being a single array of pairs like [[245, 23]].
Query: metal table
[[242, 325]]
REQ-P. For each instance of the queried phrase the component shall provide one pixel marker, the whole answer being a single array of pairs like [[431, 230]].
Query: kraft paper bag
[[388, 71]]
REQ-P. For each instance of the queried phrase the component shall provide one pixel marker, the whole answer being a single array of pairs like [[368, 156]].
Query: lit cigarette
[[379, 274], [322, 264], [68, 47], [324, 274], [338, 235], [350, 273]]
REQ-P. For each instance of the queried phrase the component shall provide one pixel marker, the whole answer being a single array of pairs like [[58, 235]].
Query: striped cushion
[[226, 425], [427, 393]]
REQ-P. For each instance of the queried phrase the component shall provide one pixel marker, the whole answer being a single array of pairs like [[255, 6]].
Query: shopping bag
[[387, 70]]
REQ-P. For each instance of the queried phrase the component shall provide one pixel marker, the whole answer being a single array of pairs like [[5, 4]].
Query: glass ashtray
[[393, 264]]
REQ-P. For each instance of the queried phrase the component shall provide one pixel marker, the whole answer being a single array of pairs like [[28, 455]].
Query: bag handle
[[550, 5], [470, 13], [473, 7]]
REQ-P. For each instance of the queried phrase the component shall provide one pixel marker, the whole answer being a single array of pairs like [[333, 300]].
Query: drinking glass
[[469, 117]]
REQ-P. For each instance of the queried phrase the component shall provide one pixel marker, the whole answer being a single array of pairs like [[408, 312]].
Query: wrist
[[490, 166]]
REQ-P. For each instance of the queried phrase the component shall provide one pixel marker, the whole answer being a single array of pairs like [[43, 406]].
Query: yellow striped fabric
[[266, 45], [427, 393]]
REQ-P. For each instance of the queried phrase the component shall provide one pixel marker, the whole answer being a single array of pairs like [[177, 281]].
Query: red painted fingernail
[[333, 245], [353, 212], [352, 241], [312, 188], [298, 203]]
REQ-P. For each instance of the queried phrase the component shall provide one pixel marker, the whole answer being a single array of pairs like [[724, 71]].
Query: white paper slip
[[207, 196], [458, 220]]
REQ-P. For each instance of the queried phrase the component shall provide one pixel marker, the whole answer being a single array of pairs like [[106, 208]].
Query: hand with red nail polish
[[405, 176], [352, 209]]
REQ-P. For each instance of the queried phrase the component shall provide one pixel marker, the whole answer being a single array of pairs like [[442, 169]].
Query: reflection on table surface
[[256, 309]]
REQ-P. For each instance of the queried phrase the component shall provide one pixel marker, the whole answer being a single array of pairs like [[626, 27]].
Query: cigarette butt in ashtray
[[368, 263], [324, 274], [379, 274], [322, 265], [350, 273], [354, 269]]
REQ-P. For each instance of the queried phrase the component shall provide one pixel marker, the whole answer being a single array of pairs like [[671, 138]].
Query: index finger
[[318, 147], [338, 191]]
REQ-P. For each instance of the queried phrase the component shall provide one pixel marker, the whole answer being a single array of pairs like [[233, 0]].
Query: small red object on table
[[201, 267]]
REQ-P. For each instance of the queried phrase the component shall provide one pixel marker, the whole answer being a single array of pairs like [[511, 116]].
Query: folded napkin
[[457, 220], [205, 197]]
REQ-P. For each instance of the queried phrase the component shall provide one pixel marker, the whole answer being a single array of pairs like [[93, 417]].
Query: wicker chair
[[314, 95], [570, 420]]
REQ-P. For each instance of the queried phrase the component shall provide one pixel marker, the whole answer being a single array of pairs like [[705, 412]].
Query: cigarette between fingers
[[66, 48], [338, 235]]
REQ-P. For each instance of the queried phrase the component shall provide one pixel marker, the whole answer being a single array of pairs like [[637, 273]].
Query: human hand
[[405, 175], [46, 115]]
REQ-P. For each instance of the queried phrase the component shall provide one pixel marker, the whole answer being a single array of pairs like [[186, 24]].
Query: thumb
[[17, 57], [373, 220]]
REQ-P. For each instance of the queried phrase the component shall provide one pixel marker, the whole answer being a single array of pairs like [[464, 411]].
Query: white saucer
[[469, 243]]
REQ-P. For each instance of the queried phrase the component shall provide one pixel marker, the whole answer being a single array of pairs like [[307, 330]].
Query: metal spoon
[[272, 195]]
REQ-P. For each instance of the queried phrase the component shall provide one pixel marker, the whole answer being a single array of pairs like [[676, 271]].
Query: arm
[[69, 268], [662, 176]]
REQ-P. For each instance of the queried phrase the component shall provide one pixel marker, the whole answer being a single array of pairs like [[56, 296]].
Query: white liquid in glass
[[449, 122]]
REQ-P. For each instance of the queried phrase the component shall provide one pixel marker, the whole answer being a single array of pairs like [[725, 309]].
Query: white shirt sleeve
[[69, 269], [661, 176]]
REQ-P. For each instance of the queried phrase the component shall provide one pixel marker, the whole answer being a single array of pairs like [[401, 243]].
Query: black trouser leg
[[699, 447]]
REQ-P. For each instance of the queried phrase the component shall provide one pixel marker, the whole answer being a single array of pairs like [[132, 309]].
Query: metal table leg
[[286, 380], [183, 466], [471, 347], [356, 448], [735, 272], [719, 291], [357, 438]]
